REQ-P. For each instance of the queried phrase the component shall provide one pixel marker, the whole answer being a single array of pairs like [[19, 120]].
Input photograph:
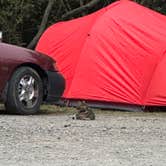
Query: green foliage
[[158, 5], [20, 19], [12, 14]]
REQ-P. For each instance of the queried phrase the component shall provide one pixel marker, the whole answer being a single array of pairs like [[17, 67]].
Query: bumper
[[55, 86]]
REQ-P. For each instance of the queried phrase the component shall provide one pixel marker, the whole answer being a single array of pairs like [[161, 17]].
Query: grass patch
[[57, 109]]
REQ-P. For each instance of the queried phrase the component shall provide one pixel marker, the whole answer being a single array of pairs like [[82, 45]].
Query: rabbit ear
[[84, 102], [78, 102]]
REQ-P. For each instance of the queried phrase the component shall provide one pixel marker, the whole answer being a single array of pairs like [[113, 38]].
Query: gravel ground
[[54, 139]]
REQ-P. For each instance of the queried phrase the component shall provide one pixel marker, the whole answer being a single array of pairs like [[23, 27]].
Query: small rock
[[123, 127], [48, 147], [105, 129], [67, 125]]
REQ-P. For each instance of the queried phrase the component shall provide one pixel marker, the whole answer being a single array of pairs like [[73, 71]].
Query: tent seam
[[151, 78]]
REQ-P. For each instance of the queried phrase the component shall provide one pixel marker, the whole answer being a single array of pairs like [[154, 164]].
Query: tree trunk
[[82, 4], [43, 24], [80, 9]]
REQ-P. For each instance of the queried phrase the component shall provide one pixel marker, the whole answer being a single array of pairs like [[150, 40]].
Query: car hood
[[18, 49]]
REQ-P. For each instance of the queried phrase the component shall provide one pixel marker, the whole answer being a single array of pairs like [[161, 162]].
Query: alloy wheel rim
[[28, 91]]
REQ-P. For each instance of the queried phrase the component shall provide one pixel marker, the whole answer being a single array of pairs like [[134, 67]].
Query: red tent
[[117, 54]]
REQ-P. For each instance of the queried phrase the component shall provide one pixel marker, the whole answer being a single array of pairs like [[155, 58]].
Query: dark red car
[[27, 78]]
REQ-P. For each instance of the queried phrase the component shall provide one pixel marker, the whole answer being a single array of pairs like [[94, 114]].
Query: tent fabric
[[117, 54]]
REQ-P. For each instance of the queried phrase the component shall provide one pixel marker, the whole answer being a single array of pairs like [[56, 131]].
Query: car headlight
[[55, 66]]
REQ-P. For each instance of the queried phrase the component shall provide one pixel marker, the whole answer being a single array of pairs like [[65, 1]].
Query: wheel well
[[41, 73]]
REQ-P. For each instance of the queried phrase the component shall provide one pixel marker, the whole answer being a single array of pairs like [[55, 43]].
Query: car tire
[[25, 92]]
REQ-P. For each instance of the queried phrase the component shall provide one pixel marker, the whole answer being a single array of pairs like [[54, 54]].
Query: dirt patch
[[53, 138]]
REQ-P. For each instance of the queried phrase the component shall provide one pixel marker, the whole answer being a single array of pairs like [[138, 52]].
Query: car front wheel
[[25, 92]]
